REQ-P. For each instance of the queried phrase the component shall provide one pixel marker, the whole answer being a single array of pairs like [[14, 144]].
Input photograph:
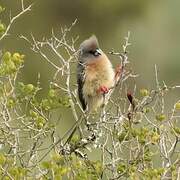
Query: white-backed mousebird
[[95, 74]]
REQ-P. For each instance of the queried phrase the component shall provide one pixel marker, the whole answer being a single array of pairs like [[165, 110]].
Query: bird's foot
[[103, 90]]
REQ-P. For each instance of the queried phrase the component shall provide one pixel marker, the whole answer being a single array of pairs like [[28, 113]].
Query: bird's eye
[[95, 52]]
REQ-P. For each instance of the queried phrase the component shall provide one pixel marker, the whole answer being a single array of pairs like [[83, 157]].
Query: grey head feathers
[[89, 49], [90, 44]]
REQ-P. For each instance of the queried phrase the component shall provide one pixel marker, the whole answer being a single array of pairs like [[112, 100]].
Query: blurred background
[[154, 27]]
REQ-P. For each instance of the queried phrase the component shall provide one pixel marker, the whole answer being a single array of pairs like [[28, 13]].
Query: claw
[[103, 90]]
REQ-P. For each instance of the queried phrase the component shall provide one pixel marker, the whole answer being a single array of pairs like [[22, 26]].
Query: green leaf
[[160, 117], [29, 88], [177, 106], [40, 121], [46, 164], [2, 9], [121, 168], [2, 28], [18, 59], [6, 57], [52, 93], [2, 159], [144, 92], [11, 102]]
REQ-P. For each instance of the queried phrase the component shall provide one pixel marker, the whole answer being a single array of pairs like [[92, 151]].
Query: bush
[[133, 135]]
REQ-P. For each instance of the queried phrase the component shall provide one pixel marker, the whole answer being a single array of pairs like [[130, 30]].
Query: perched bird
[[95, 74]]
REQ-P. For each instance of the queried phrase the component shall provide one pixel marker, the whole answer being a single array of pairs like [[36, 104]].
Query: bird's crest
[[90, 44]]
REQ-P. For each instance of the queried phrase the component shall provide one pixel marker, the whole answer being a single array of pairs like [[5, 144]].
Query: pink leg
[[103, 90]]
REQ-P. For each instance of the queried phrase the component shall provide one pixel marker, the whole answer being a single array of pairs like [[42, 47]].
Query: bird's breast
[[98, 73]]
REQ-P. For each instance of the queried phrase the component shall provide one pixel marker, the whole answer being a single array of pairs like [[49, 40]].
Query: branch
[[12, 20]]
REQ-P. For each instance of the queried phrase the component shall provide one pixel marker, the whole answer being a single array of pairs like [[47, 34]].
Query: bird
[[95, 75]]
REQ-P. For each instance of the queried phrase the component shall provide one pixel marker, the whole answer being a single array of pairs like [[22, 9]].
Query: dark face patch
[[96, 52]]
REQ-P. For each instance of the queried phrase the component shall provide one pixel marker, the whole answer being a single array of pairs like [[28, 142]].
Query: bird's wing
[[80, 82]]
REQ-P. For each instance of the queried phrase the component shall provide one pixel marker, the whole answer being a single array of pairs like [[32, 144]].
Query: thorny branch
[[14, 18], [124, 131]]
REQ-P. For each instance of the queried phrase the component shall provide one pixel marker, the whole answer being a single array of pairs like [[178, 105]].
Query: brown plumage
[[95, 74]]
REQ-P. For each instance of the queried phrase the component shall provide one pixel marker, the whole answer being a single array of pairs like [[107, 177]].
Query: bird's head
[[89, 49]]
